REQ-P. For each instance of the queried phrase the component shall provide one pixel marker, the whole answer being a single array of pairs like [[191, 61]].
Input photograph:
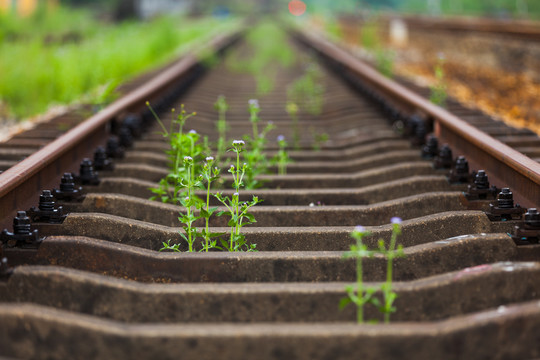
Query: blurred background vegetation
[[489, 8], [60, 51]]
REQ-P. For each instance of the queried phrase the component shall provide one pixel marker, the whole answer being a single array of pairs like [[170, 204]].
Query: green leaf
[[225, 244], [204, 214], [250, 217], [344, 302]]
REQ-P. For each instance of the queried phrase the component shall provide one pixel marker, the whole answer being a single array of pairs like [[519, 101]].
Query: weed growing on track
[[307, 92], [238, 212], [282, 157], [221, 106], [318, 139], [384, 59], [370, 39], [361, 294], [270, 51], [189, 173], [181, 145], [210, 174], [255, 157], [292, 110], [438, 93]]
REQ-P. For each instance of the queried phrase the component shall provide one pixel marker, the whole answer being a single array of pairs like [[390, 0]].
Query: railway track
[[95, 285], [509, 29]]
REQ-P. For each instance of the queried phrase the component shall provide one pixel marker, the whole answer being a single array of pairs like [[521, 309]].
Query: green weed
[[438, 92], [36, 74], [238, 212], [360, 294]]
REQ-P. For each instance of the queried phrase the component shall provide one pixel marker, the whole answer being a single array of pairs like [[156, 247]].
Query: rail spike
[[481, 189], [504, 208], [431, 149], [22, 235], [46, 211], [87, 174], [528, 232], [113, 149], [102, 161], [460, 172], [68, 191], [444, 159]]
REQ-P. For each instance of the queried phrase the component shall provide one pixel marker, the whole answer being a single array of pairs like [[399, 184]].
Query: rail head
[[447, 125]]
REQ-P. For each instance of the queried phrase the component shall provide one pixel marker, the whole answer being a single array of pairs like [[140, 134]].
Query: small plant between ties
[[188, 174], [255, 157], [292, 110], [282, 157], [221, 106], [358, 294], [181, 145], [238, 212], [361, 294], [438, 93], [210, 174]]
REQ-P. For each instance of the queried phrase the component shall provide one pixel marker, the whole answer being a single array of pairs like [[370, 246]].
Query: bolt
[[46, 201], [420, 133], [532, 218], [505, 200], [462, 165], [445, 158], [125, 137], [87, 174], [481, 180], [21, 224], [113, 148], [431, 148], [133, 123], [101, 161], [67, 183]]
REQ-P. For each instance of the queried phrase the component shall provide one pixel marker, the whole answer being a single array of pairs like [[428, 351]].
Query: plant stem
[[207, 236], [190, 243], [389, 269], [360, 288]]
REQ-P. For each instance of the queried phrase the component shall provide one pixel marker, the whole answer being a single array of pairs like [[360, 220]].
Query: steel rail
[[525, 30], [21, 184], [505, 166]]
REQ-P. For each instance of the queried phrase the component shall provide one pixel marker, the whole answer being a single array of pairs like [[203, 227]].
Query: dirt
[[497, 75]]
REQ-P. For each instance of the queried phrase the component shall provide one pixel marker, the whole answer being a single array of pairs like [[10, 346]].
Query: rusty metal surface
[[20, 184], [510, 167], [525, 30]]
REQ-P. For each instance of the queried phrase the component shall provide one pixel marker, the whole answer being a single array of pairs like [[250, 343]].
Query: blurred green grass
[[37, 72]]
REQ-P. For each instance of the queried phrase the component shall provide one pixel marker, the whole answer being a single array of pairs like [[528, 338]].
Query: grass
[[270, 52], [36, 74], [361, 294]]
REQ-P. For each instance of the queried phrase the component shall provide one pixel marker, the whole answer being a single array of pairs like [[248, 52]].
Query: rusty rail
[[505, 165], [526, 30], [21, 184]]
